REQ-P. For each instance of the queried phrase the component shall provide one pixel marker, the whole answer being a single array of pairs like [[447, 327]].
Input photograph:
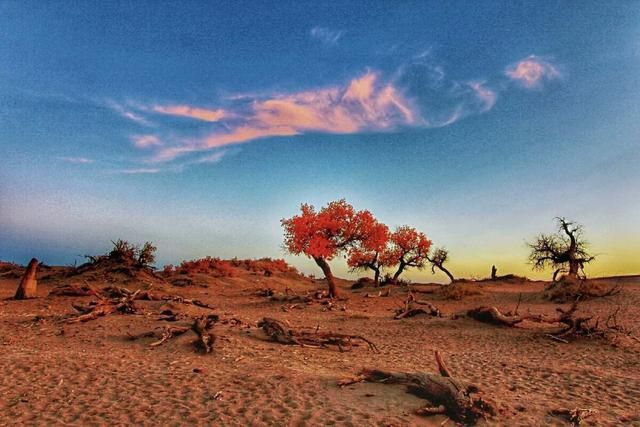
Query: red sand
[[91, 374]]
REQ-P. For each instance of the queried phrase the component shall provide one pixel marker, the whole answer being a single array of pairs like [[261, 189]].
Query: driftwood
[[408, 310], [28, 285], [278, 332], [460, 400], [200, 326]]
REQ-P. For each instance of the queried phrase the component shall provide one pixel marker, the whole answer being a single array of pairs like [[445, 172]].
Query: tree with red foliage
[[409, 248], [369, 253], [324, 234]]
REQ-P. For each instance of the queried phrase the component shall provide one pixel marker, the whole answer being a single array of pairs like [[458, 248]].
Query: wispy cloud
[[366, 103], [532, 71], [145, 141], [140, 171], [128, 113], [418, 94], [326, 35], [191, 112], [76, 160]]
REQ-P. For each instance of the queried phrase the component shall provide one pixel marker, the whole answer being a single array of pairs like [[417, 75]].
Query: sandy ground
[[91, 374]]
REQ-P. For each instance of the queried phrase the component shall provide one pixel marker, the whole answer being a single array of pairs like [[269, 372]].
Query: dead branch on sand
[[494, 316], [571, 325], [408, 310], [112, 299], [458, 399], [200, 326], [278, 332], [105, 306]]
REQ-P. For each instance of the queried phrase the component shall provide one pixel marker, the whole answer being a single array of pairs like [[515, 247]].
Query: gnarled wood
[[494, 316], [278, 332], [460, 400], [408, 310], [201, 326]]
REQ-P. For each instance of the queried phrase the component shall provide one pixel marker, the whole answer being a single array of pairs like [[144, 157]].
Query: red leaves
[[409, 246], [339, 227], [325, 233]]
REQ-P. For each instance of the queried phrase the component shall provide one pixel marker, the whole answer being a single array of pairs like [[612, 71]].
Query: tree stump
[[28, 285]]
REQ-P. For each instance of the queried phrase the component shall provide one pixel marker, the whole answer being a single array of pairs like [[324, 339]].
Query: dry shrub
[[266, 266], [567, 290], [458, 291], [128, 254], [208, 265]]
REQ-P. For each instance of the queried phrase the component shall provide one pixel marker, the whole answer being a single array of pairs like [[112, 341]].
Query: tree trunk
[[399, 271], [447, 272], [28, 285], [326, 269], [376, 277], [574, 266]]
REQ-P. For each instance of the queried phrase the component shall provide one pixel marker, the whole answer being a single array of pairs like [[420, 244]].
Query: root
[[460, 400], [278, 332]]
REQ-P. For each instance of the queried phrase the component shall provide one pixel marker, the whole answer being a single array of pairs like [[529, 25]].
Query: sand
[[92, 374]]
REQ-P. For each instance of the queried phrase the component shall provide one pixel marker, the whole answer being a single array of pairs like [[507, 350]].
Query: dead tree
[[28, 285], [565, 251], [458, 399], [408, 310], [278, 332], [201, 326], [570, 325], [437, 260]]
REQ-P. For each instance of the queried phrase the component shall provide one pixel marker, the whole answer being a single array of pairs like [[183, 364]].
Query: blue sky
[[199, 126]]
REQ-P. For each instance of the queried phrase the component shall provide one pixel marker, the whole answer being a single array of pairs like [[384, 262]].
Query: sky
[[199, 125]]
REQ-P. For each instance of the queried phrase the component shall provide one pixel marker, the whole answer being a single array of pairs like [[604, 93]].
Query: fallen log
[[460, 400], [278, 332]]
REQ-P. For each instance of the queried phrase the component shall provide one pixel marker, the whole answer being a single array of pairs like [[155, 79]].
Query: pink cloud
[[531, 71], [191, 112], [487, 96], [145, 141], [365, 104]]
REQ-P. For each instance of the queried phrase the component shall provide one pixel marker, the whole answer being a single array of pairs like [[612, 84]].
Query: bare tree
[[437, 260], [565, 251]]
